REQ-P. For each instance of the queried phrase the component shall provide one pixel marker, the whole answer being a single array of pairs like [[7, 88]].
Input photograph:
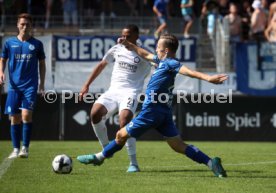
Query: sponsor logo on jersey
[[31, 47], [128, 67]]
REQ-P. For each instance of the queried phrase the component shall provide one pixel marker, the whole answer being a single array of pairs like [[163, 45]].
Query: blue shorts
[[152, 119], [17, 100], [162, 19]]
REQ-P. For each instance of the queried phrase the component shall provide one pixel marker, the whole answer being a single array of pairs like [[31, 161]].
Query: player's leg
[[15, 134], [98, 123], [169, 130], [27, 107], [127, 108], [12, 109], [108, 151], [135, 128], [100, 111], [125, 117]]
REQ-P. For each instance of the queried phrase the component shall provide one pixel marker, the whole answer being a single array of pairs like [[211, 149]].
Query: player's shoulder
[[173, 62], [35, 40], [12, 39]]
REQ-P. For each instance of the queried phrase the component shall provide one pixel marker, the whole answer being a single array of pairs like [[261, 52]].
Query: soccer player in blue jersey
[[157, 114], [26, 57]]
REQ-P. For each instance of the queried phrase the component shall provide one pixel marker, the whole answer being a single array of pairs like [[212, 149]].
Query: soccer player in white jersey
[[127, 82]]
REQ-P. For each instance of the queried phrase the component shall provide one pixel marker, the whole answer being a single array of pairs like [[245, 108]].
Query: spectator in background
[[132, 4], [187, 13], [48, 13], [223, 7], [90, 9], [265, 7], [272, 9], [37, 9], [107, 8], [235, 23], [160, 8], [258, 21], [270, 32], [246, 15], [70, 12]]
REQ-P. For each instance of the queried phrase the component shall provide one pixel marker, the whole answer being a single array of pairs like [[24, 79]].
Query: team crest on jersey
[[31, 47], [136, 59]]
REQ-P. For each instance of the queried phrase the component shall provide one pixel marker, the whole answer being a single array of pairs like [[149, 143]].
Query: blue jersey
[[23, 57], [161, 5], [159, 90], [186, 10]]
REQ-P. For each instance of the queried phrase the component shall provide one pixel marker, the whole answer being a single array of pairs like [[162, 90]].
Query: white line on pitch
[[224, 164], [252, 163], [4, 166]]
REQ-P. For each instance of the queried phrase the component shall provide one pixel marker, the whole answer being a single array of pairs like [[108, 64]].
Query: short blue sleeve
[[174, 65], [5, 52], [41, 53]]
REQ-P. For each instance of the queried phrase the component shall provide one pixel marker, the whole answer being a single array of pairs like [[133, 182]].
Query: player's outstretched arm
[[94, 74], [216, 79], [140, 51]]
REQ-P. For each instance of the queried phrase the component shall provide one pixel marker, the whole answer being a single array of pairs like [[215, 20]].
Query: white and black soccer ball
[[62, 164]]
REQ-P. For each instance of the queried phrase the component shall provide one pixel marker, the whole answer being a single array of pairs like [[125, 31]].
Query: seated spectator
[[258, 21]]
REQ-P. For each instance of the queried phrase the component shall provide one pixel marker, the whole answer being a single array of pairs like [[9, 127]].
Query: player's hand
[[218, 78], [41, 90], [83, 91], [124, 42], [2, 79]]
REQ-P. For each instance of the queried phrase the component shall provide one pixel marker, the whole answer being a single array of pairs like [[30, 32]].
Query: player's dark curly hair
[[170, 42], [133, 28]]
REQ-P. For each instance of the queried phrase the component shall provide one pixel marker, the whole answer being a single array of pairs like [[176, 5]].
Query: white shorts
[[116, 102]]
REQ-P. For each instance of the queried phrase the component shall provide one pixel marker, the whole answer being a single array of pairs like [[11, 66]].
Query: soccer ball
[[62, 164]]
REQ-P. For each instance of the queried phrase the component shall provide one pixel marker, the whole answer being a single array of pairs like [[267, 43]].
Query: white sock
[[131, 149], [16, 150], [100, 156], [209, 164], [101, 132]]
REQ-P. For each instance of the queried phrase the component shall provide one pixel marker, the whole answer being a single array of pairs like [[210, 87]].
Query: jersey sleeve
[[174, 66], [5, 51], [109, 56], [156, 59], [41, 53]]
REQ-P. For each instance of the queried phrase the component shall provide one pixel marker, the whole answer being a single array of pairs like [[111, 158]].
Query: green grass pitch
[[251, 168]]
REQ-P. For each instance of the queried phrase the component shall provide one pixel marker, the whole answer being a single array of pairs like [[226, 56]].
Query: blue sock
[[27, 130], [16, 135], [195, 154], [111, 148]]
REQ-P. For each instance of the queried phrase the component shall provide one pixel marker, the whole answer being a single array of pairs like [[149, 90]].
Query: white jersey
[[129, 71]]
